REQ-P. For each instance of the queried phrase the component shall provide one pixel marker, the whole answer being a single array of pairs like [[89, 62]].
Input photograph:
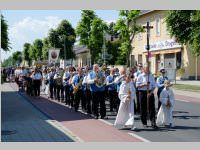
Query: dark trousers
[[144, 113], [79, 96], [37, 87], [52, 88], [137, 107], [112, 99], [99, 98], [87, 94], [29, 89], [159, 103], [71, 98], [60, 92], [67, 95]]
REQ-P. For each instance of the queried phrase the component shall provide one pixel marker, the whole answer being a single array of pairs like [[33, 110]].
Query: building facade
[[165, 52]]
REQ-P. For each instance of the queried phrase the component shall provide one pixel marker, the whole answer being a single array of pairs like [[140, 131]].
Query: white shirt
[[165, 94], [142, 79]]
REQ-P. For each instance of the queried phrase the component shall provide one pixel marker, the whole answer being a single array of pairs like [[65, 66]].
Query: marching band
[[128, 92]]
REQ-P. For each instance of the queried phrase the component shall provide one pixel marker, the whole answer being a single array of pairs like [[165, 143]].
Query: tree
[[32, 54], [4, 35], [96, 39], [8, 62], [37, 45], [83, 29], [67, 35], [184, 25], [128, 29], [90, 29], [45, 48], [17, 58], [25, 52], [53, 39]]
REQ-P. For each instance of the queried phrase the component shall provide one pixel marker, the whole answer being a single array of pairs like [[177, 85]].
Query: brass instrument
[[101, 80], [78, 86]]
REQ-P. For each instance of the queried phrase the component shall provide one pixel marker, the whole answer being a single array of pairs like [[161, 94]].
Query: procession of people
[[128, 91]]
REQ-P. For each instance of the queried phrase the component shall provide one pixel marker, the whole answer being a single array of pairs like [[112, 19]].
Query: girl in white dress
[[165, 116], [125, 115]]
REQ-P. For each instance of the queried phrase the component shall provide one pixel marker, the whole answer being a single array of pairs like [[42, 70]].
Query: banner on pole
[[53, 55]]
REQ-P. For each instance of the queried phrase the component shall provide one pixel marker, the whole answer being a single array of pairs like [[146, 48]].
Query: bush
[[180, 71]]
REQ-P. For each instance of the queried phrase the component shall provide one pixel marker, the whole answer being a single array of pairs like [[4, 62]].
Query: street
[[47, 120]]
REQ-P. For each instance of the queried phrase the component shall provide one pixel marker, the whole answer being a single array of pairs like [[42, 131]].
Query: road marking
[[106, 122], [139, 137], [65, 130], [183, 100], [132, 134]]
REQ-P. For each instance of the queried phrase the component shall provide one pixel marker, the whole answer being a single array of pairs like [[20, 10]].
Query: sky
[[28, 25]]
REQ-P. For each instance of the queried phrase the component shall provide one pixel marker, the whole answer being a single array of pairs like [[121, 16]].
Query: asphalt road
[[186, 125], [22, 122]]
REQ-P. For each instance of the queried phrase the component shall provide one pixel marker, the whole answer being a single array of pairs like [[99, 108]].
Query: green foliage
[[32, 53], [4, 35], [7, 62], [83, 29], [90, 30], [113, 49], [45, 48], [17, 57], [184, 25], [26, 51], [66, 32], [128, 29]]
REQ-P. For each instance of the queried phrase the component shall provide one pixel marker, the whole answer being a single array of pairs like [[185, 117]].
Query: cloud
[[29, 26], [29, 29]]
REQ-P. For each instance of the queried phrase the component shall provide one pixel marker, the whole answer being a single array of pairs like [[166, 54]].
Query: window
[[132, 60], [139, 59], [158, 26]]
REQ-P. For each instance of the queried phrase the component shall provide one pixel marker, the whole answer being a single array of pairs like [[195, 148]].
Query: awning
[[167, 51]]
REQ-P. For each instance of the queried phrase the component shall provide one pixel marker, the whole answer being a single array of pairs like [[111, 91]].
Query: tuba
[[101, 79]]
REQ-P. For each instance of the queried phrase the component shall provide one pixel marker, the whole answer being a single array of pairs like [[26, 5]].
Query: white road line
[[132, 134], [65, 130], [106, 122], [139, 137], [183, 100]]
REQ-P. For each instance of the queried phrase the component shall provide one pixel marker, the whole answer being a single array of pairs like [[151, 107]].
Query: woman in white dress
[[165, 116], [125, 115]]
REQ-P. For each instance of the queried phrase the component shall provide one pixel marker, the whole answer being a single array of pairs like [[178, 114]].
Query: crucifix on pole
[[148, 27]]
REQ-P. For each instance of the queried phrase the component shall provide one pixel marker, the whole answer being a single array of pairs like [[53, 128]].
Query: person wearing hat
[[160, 84]]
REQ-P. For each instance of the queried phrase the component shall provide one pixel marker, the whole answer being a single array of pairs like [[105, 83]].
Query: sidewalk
[[25, 122], [189, 82], [81, 125]]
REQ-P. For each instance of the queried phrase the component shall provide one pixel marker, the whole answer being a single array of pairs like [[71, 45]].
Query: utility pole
[[148, 62]]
